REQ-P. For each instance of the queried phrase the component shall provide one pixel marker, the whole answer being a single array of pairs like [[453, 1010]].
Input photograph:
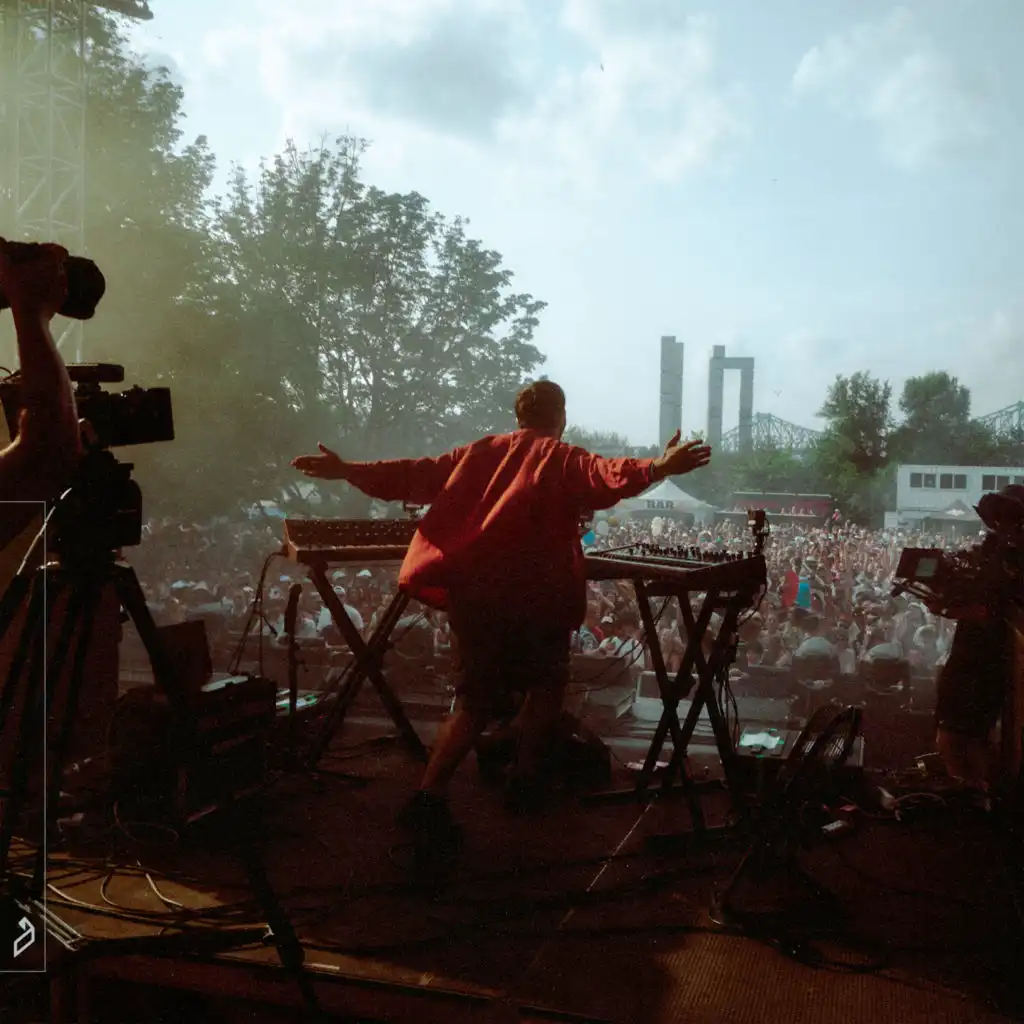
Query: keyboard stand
[[368, 660], [675, 690]]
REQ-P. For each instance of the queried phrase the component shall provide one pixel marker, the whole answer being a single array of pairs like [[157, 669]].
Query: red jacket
[[502, 529]]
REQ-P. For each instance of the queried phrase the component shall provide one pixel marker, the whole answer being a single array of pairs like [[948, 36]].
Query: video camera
[[136, 416], [104, 510], [978, 575], [86, 283]]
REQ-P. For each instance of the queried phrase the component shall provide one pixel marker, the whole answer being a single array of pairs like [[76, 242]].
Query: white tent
[[666, 499]]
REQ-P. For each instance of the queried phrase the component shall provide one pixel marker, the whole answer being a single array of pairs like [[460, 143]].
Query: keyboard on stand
[[367, 541], [695, 568]]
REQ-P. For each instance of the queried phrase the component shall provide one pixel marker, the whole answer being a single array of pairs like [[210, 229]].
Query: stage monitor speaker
[[235, 717]]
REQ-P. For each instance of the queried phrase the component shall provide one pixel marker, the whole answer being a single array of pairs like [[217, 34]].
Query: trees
[[600, 442], [1007, 449], [857, 409], [363, 317], [854, 448], [304, 305], [937, 426], [146, 225], [773, 469]]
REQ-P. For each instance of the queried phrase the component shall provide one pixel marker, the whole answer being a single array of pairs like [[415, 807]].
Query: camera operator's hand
[[35, 285], [327, 465], [87, 432]]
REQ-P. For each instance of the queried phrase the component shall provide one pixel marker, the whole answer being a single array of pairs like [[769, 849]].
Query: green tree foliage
[[145, 219], [364, 318], [937, 427], [600, 442], [859, 422], [304, 305], [773, 469], [854, 448], [1007, 449], [147, 225]]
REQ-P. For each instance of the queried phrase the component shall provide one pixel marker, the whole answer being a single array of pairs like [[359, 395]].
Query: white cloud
[[892, 75], [495, 82], [648, 94]]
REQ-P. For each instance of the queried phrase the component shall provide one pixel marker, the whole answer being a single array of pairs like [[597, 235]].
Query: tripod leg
[[288, 946], [86, 617], [13, 598], [289, 949], [133, 600], [30, 752], [35, 596], [31, 743]]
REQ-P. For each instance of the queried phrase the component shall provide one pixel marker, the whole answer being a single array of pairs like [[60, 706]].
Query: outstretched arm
[[414, 480], [598, 483]]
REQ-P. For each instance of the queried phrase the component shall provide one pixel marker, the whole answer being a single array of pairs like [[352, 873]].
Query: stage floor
[[558, 917]]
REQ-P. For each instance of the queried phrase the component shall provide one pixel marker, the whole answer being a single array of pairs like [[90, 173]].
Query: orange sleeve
[[414, 480], [595, 482]]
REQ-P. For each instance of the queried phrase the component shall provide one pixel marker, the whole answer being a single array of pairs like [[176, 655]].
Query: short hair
[[540, 405]]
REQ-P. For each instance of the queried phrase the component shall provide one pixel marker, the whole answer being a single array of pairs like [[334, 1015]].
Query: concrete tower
[[670, 418], [716, 387]]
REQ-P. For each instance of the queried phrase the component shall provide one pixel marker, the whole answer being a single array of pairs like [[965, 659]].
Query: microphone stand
[[291, 615]]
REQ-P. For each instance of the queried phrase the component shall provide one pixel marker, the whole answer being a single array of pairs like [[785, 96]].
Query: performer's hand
[[676, 438], [35, 283], [327, 465], [683, 458]]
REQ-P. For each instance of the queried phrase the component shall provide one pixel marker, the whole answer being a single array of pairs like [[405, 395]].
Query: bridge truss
[[772, 432], [1006, 423]]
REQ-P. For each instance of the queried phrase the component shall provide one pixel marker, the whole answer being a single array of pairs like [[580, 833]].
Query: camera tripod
[[83, 575]]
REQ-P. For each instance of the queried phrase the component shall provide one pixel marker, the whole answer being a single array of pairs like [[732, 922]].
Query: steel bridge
[[1006, 423], [771, 432]]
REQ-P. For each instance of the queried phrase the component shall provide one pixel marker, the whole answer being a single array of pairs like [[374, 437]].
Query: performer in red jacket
[[499, 551]]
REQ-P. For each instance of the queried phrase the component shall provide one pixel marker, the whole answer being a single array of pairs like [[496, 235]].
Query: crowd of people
[[498, 552], [829, 592], [828, 583]]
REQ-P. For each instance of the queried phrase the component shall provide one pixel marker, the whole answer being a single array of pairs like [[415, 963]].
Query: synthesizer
[[366, 541], [692, 568]]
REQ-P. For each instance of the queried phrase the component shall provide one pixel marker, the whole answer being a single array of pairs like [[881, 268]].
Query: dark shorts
[[498, 661]]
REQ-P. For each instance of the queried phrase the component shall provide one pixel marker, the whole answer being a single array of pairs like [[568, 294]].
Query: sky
[[827, 187]]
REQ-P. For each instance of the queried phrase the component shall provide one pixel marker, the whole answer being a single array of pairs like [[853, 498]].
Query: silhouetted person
[[499, 550]]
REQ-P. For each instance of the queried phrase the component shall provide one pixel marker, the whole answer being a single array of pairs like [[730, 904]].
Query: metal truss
[[1008, 422], [45, 130], [771, 432], [42, 124]]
